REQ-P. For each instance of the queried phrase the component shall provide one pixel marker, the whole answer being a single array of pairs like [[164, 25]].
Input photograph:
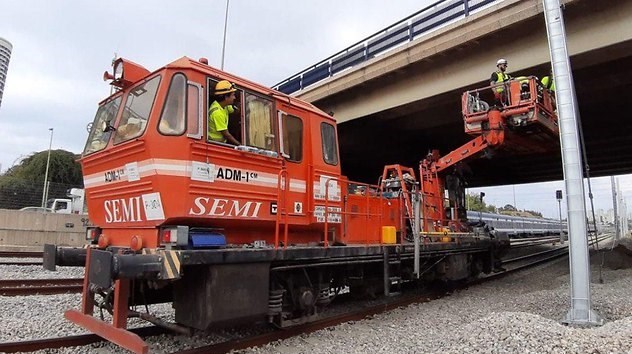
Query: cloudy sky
[[62, 47]]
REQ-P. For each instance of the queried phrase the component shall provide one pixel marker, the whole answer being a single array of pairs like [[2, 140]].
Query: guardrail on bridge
[[421, 22]]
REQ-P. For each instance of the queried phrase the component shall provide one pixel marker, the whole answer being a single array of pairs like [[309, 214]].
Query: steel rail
[[17, 287], [22, 263], [21, 254], [69, 341], [522, 244], [556, 253]]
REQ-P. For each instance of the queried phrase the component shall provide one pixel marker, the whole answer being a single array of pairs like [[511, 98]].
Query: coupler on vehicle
[[63, 256], [109, 274]]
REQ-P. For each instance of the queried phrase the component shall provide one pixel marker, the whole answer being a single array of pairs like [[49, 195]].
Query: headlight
[[118, 70]]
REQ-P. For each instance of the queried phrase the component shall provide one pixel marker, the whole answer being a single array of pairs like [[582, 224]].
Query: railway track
[[20, 254], [527, 261], [25, 263], [19, 287], [69, 341], [521, 263], [528, 242], [550, 254]]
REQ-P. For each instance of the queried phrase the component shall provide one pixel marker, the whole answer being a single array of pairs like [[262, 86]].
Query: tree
[[22, 185], [16, 193], [63, 168], [508, 207], [534, 213], [474, 202]]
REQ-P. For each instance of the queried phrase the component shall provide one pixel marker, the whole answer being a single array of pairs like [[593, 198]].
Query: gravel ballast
[[520, 313]]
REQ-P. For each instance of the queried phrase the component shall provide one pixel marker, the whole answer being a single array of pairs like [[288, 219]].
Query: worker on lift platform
[[496, 81], [549, 83]]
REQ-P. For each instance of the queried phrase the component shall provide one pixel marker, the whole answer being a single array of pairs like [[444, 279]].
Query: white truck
[[75, 204]]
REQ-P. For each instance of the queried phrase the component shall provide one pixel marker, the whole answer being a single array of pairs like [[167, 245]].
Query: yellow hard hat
[[224, 87]]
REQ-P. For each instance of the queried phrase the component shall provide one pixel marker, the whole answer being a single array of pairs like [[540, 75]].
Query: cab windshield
[[136, 112], [102, 126]]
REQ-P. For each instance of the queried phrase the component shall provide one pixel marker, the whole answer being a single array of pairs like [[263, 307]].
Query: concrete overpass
[[395, 107]]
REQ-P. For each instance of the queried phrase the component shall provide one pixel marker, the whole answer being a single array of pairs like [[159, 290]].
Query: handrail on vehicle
[[281, 208]]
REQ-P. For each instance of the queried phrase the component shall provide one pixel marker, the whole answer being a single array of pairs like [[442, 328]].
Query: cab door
[[294, 132], [326, 185]]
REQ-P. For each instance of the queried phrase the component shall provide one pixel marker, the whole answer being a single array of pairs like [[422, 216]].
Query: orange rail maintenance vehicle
[[268, 229]]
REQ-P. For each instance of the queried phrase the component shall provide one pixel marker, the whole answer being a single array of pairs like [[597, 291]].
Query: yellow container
[[389, 234], [445, 237]]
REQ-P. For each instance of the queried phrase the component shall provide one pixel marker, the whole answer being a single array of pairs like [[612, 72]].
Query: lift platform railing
[[523, 102]]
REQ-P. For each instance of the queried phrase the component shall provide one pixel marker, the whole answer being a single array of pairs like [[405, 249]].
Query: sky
[[62, 47]]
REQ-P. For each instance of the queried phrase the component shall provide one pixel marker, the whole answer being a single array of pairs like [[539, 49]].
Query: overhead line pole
[[225, 27], [580, 311], [44, 193]]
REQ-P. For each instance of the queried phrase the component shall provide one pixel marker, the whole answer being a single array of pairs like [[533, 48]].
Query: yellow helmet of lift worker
[[224, 87], [501, 62]]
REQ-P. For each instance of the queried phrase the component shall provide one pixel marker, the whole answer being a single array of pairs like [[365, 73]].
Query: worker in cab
[[497, 80], [221, 108]]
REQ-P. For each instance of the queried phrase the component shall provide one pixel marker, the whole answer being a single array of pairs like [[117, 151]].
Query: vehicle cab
[[150, 166]]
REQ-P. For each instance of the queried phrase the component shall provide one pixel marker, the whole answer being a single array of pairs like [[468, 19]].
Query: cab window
[[330, 147], [194, 110], [258, 122], [61, 205], [292, 128], [172, 120], [138, 105], [234, 118], [102, 126]]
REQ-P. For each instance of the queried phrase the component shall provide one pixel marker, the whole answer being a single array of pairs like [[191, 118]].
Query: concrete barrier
[[27, 229]]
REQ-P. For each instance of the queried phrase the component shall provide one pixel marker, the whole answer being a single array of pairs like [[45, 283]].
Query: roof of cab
[[188, 63]]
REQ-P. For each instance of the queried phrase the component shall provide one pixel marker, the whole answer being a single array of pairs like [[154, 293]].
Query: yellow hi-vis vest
[[549, 83], [502, 77]]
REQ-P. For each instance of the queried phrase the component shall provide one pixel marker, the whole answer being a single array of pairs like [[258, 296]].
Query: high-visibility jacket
[[218, 121], [549, 83], [522, 79], [501, 77]]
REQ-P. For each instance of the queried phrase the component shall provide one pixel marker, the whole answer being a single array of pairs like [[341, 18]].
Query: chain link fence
[[17, 193]]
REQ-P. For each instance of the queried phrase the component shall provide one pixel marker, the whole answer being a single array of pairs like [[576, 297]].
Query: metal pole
[[580, 311], [615, 209], [387, 276], [50, 144], [225, 26], [416, 228], [558, 196], [559, 204], [624, 212], [480, 211], [47, 190]]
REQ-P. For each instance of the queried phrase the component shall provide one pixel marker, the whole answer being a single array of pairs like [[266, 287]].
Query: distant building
[[5, 55]]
